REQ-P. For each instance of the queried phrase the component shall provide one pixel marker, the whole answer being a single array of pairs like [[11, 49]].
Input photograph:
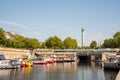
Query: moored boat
[[43, 61], [39, 62], [26, 63], [111, 63], [68, 60], [60, 60], [49, 60], [8, 64]]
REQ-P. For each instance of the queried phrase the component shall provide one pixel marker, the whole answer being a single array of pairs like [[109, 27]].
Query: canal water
[[59, 71]]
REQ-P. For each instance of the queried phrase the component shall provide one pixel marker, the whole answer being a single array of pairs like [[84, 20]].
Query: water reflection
[[110, 75], [59, 71], [94, 71], [9, 74], [15, 74], [90, 71]]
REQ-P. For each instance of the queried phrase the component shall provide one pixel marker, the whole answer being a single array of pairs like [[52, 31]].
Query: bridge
[[95, 54], [80, 54]]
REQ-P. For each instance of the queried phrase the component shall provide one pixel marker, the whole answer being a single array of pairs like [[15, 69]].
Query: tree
[[70, 43], [54, 43], [8, 43], [2, 37], [19, 40], [43, 45], [31, 43], [26, 42], [112, 42], [93, 44], [116, 35], [117, 39], [35, 43]]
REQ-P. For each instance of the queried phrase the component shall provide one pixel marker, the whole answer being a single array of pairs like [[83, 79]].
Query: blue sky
[[44, 18]]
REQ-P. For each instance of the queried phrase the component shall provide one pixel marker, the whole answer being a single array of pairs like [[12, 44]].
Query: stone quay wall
[[11, 53]]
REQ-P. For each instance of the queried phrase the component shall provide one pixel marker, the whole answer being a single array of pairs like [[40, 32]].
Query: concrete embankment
[[11, 53]]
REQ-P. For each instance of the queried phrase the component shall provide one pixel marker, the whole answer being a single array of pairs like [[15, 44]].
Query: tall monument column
[[82, 31]]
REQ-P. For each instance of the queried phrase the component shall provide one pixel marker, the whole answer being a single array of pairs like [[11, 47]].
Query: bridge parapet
[[95, 51]]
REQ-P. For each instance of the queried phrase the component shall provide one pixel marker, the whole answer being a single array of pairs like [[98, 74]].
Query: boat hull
[[39, 62], [8, 64], [111, 65]]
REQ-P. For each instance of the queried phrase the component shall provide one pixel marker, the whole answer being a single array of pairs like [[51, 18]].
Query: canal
[[59, 71]]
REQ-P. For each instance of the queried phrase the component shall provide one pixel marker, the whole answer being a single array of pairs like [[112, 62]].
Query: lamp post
[[82, 30]]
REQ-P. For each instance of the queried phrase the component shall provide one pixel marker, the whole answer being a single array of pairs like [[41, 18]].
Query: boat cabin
[[2, 57]]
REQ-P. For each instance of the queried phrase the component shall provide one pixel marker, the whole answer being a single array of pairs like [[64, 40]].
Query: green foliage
[[2, 36], [54, 43], [31, 43], [70, 43], [93, 44], [43, 45], [116, 35], [86, 47], [35, 43], [109, 43], [112, 42], [8, 43], [19, 40]]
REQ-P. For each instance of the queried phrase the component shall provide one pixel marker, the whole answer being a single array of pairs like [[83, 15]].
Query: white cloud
[[13, 24]]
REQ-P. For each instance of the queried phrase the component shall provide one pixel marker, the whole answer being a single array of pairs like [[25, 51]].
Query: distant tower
[[82, 30]]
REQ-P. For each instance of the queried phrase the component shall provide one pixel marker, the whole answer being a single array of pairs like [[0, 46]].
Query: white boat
[[8, 64], [111, 63], [39, 62], [43, 61]]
